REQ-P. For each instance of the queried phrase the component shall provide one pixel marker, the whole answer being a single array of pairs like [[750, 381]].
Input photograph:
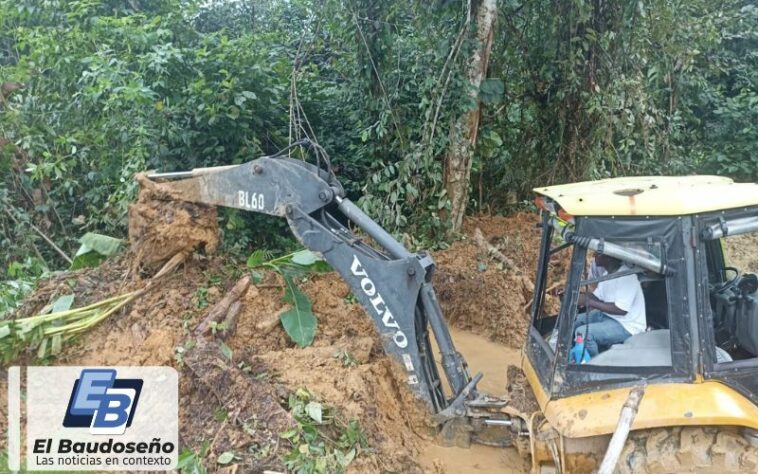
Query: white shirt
[[626, 293]]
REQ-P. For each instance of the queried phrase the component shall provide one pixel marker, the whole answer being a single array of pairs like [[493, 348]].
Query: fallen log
[[493, 252], [221, 310], [230, 321]]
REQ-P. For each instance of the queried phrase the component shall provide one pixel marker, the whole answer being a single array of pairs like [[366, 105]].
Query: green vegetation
[[96, 90], [57, 323], [94, 250], [322, 441], [191, 462], [299, 322], [22, 276]]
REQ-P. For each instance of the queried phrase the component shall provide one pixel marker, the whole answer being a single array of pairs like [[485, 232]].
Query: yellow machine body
[[667, 404]]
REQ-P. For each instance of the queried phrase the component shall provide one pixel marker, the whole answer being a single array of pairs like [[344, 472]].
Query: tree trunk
[[463, 132]]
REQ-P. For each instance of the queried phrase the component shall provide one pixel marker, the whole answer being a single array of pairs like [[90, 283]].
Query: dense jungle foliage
[[96, 90]]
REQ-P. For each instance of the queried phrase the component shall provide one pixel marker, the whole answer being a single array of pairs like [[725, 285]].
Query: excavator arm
[[392, 283]]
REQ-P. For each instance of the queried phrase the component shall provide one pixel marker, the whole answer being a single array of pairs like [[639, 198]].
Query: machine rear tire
[[688, 449]]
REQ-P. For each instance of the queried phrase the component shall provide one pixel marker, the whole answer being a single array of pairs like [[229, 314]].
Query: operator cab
[[569, 267], [679, 238]]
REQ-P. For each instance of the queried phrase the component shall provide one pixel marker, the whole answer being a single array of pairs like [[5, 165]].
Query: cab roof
[[652, 195]]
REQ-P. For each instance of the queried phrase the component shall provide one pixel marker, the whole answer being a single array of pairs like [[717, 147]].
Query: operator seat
[[646, 349]]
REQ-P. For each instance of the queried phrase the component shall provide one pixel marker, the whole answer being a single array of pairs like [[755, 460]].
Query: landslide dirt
[[742, 252], [478, 292], [240, 404]]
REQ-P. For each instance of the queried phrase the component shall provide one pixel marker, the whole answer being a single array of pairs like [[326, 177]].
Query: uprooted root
[[161, 225]]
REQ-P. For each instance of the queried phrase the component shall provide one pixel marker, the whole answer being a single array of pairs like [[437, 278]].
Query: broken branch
[[492, 251], [42, 234], [221, 309], [230, 321]]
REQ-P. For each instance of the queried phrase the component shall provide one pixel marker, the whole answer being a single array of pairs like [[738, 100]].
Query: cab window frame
[[711, 366], [670, 232], [669, 307]]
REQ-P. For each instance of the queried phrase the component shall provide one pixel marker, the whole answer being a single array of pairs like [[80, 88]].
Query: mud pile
[[482, 294], [233, 395], [369, 387], [160, 225], [265, 367]]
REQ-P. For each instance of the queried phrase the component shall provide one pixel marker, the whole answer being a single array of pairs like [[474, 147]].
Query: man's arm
[[591, 301]]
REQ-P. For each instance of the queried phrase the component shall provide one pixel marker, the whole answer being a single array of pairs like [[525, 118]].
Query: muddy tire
[[688, 449]]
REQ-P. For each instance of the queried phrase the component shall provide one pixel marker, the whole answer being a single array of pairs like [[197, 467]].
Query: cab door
[[539, 354], [728, 303]]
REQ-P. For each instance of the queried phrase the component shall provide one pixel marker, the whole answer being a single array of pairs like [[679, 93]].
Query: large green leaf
[[305, 258], [313, 262], [102, 244], [299, 322], [89, 259], [294, 264], [94, 249]]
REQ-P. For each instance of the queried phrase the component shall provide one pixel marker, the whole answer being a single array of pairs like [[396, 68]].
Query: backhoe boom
[[392, 283]]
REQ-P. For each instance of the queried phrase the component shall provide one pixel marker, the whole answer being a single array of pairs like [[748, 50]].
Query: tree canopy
[[96, 90]]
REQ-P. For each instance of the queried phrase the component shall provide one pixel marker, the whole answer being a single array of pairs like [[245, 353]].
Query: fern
[[259, 257]]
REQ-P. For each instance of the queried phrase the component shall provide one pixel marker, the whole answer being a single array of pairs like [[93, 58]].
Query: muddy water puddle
[[491, 359]]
